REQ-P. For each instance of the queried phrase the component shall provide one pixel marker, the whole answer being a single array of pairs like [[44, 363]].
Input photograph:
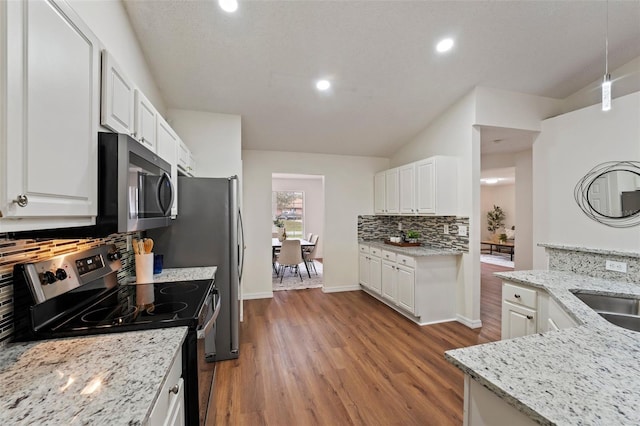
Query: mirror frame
[[582, 189]]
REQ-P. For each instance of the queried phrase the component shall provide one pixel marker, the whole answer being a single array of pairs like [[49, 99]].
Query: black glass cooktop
[[140, 306]]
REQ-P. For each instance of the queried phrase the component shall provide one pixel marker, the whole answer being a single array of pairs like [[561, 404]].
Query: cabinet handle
[[517, 296], [174, 389], [22, 200], [529, 317]]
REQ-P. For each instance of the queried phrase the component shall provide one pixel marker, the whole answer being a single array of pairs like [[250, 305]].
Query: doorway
[[298, 205]]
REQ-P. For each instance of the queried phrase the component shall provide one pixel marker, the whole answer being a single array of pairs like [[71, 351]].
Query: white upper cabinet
[[145, 121], [425, 187], [186, 162], [50, 71], [379, 193], [407, 189], [117, 102]]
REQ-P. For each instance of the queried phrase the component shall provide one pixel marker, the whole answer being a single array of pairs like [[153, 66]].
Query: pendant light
[[606, 81]]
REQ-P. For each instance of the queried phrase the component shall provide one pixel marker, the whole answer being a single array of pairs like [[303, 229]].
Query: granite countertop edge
[[420, 251], [41, 380], [592, 330], [622, 253]]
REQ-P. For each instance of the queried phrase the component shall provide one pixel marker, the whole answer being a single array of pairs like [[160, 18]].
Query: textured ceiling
[[389, 83]]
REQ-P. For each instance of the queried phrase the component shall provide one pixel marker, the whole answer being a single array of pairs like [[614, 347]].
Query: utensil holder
[[144, 295], [144, 268]]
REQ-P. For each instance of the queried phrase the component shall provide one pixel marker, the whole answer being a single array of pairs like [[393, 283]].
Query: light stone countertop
[[577, 376], [185, 274], [421, 251], [109, 379], [624, 253]]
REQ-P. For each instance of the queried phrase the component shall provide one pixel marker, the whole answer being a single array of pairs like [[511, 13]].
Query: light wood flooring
[[310, 358]]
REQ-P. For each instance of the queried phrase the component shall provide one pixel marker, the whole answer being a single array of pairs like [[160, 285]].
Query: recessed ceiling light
[[444, 45], [228, 5], [323, 85]]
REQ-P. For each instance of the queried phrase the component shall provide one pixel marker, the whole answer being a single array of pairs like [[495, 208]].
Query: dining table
[[276, 243]]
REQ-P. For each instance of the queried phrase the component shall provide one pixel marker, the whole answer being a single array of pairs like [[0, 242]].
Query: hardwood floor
[[310, 358]]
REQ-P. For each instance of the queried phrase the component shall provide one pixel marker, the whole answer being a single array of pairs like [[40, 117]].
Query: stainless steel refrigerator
[[208, 232]]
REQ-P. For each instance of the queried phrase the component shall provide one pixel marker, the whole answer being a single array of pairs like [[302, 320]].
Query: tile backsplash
[[21, 251], [591, 262], [375, 227]]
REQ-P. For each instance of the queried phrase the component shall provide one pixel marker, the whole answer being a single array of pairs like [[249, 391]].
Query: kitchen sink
[[621, 311], [613, 304], [630, 322]]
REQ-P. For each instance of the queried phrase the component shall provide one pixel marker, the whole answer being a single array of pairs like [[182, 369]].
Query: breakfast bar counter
[[419, 251], [581, 375]]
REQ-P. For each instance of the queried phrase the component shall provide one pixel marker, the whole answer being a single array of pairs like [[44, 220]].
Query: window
[[288, 207]]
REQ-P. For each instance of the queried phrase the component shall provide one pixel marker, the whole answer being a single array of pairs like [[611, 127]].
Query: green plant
[[413, 234], [278, 223], [503, 237], [495, 219]]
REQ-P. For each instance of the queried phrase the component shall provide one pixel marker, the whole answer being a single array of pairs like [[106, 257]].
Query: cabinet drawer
[[388, 255], [375, 251], [520, 295], [363, 248], [406, 261]]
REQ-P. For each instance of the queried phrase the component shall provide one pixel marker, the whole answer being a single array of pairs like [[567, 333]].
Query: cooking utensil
[[148, 245]]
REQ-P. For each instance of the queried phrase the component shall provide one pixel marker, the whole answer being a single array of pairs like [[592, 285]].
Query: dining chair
[[290, 257], [310, 253], [309, 236]]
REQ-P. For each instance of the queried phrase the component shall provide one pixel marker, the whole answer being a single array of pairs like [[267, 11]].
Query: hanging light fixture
[[606, 81]]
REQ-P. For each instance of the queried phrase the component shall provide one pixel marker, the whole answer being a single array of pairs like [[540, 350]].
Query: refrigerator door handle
[[241, 246]]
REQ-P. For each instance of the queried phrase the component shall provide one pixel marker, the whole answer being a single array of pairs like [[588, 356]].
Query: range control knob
[[114, 256], [49, 277], [61, 274]]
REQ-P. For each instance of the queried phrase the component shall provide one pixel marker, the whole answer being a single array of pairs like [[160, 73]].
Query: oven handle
[[202, 331]]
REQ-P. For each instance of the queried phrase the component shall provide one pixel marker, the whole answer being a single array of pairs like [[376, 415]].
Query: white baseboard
[[437, 322], [468, 322], [251, 296], [326, 289]]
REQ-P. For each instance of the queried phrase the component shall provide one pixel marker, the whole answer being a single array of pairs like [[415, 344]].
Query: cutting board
[[402, 244]]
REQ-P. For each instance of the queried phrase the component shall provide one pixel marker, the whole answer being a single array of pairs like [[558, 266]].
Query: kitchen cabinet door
[[558, 318], [517, 321], [117, 100], [375, 274], [364, 270], [186, 161], [392, 196], [379, 193], [406, 288], [49, 124], [389, 281], [425, 187], [407, 189], [145, 120]]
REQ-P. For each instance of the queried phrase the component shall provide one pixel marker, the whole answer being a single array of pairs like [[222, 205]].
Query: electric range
[[78, 294]]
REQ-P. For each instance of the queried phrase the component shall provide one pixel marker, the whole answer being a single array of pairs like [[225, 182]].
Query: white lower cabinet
[[421, 288], [484, 408], [557, 317], [519, 310], [169, 409]]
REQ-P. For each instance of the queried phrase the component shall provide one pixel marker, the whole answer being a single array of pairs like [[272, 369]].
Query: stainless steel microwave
[[135, 191]]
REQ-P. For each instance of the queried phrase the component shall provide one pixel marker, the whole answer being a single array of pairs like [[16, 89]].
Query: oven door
[[206, 334]]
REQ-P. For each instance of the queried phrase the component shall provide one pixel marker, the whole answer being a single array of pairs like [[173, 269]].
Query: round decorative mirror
[[610, 193]]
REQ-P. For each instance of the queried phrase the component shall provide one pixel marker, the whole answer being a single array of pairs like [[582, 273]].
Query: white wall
[[214, 139], [503, 196], [109, 22], [523, 259], [313, 204], [568, 147], [348, 193]]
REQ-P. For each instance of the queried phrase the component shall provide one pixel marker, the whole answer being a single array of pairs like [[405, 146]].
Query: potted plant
[[282, 232], [495, 219], [412, 236], [502, 238]]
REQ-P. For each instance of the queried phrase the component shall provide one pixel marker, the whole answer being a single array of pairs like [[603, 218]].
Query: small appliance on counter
[[208, 232], [78, 294]]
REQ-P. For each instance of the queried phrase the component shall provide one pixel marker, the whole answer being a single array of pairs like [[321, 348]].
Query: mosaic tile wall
[[21, 251], [593, 264], [431, 227]]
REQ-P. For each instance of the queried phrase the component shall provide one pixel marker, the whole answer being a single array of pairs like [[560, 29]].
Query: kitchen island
[[110, 379], [580, 375]]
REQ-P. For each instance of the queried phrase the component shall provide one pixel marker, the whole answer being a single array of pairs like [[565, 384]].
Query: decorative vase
[[282, 234]]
